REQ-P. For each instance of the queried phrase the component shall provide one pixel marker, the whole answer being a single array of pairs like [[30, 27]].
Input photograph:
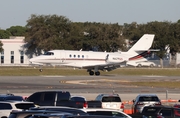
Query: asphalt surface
[[88, 86]]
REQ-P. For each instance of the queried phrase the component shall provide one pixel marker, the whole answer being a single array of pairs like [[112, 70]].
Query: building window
[[2, 53], [2, 59], [12, 59], [12, 53], [12, 56], [22, 57]]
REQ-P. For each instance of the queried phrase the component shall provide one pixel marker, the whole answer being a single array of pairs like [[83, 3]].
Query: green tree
[[47, 32], [17, 30], [1, 48], [4, 34]]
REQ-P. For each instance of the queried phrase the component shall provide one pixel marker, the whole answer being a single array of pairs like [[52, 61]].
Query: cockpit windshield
[[48, 53]]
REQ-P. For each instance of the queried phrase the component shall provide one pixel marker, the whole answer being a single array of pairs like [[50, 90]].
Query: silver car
[[143, 100]]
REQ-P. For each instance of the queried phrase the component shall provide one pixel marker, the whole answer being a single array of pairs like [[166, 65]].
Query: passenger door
[[48, 99]]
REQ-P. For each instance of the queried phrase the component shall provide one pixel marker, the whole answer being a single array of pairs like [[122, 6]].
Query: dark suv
[[10, 97], [143, 100], [49, 98]]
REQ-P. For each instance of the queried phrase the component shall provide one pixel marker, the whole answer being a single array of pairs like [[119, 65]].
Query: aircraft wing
[[107, 67]]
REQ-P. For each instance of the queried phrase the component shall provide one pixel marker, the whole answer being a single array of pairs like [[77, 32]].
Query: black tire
[[97, 73], [91, 73], [40, 70], [139, 65], [151, 65]]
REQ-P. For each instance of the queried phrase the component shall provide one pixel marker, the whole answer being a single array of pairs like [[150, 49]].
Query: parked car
[[159, 111], [143, 100], [7, 106], [55, 98], [7, 97], [78, 98], [28, 113], [68, 115], [141, 63], [106, 112], [74, 111], [52, 115], [111, 101], [176, 105]]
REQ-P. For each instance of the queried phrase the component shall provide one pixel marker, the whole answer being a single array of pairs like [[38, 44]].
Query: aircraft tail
[[143, 44]]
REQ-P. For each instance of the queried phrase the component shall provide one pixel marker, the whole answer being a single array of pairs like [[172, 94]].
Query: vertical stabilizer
[[144, 43]]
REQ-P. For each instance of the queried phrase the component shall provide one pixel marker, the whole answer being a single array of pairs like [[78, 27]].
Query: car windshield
[[111, 99], [148, 98], [24, 105], [78, 99]]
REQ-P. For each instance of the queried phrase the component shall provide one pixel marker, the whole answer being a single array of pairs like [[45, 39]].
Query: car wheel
[[151, 65]]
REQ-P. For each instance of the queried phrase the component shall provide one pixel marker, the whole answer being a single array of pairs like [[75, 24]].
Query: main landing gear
[[40, 69], [97, 73]]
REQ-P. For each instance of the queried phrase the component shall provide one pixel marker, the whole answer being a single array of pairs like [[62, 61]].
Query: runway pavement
[[88, 86]]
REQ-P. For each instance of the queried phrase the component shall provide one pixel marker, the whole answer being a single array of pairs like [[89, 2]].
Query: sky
[[17, 12]]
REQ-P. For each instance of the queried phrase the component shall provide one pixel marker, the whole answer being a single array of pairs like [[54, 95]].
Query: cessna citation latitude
[[95, 61]]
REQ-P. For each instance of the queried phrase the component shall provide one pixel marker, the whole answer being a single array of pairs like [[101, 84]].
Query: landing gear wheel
[[97, 73], [139, 65], [91, 73], [40, 70]]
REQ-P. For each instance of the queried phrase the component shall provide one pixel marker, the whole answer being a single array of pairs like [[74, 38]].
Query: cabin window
[[48, 53], [78, 56], [74, 56], [82, 56], [70, 55]]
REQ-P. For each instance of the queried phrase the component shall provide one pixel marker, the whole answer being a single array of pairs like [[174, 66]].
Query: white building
[[14, 53]]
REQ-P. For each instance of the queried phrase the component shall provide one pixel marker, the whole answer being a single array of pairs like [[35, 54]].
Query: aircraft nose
[[31, 60]]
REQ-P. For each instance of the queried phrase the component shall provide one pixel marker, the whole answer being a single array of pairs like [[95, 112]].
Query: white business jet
[[95, 61]]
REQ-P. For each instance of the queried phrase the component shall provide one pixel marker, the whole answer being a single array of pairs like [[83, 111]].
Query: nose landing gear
[[40, 70]]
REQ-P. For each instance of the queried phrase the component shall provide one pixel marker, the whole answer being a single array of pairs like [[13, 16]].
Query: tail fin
[[143, 44]]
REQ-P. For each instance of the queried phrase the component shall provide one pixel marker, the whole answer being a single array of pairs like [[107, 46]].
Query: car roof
[[101, 109], [31, 111], [147, 95], [54, 107], [14, 102], [11, 97], [63, 91], [77, 96], [9, 94], [53, 114], [109, 94]]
